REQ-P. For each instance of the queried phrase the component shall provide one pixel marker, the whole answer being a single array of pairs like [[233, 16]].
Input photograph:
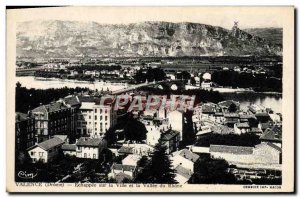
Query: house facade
[[24, 131], [45, 151], [90, 147]]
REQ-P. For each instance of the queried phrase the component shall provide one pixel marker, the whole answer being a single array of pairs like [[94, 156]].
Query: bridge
[[131, 88]]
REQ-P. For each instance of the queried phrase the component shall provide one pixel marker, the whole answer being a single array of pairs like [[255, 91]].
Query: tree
[[134, 130], [159, 170], [211, 171]]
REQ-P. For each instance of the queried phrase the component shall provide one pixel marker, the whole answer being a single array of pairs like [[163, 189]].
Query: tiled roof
[[52, 107], [48, 144], [183, 172], [238, 150], [126, 149], [21, 117], [85, 141], [68, 147], [123, 167], [62, 137], [274, 146], [73, 100], [187, 154], [169, 135], [272, 134], [242, 125]]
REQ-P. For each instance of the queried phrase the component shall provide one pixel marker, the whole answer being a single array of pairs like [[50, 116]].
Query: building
[[231, 119], [52, 119], [25, 131], [131, 160], [153, 135], [170, 139], [45, 151], [242, 127], [184, 158], [90, 147], [120, 172], [262, 155], [94, 119], [69, 149], [272, 135], [176, 121]]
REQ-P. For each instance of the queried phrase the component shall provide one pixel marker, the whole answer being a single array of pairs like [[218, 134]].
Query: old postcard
[[150, 99]]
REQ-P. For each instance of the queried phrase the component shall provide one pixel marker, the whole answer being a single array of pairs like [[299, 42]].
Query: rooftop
[[68, 147], [21, 117], [187, 154], [272, 134], [238, 150], [169, 135], [49, 144], [183, 172], [123, 167], [85, 141], [52, 107]]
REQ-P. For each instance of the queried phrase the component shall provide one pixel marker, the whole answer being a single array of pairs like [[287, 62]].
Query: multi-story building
[[25, 131], [170, 139], [94, 119], [52, 119]]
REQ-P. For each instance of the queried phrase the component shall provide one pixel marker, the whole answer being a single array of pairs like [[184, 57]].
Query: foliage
[[151, 74], [211, 171], [159, 169], [28, 99], [247, 80]]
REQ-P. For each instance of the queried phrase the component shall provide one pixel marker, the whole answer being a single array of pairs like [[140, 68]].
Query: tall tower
[[235, 29]]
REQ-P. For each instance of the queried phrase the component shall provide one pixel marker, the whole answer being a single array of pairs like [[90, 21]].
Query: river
[[273, 101], [31, 82]]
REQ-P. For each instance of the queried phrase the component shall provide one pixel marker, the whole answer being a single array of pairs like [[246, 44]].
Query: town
[[78, 138]]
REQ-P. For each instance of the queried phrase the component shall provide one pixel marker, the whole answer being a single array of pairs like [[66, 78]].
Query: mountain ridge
[[56, 38]]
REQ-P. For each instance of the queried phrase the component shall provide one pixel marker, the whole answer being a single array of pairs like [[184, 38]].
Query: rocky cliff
[[69, 38]]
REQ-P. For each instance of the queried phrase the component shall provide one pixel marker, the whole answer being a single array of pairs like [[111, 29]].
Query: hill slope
[[69, 38], [272, 35]]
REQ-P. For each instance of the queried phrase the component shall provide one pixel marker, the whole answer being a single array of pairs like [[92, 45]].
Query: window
[[94, 156], [100, 110], [41, 154], [95, 117], [85, 155], [105, 118], [95, 110], [32, 153], [90, 117], [100, 117]]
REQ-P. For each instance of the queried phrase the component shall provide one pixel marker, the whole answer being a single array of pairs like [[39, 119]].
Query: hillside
[[70, 38], [272, 35]]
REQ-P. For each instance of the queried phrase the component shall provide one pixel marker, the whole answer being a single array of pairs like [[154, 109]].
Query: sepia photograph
[[150, 99]]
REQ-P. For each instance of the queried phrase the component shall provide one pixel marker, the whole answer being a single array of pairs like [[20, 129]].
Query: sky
[[248, 17]]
